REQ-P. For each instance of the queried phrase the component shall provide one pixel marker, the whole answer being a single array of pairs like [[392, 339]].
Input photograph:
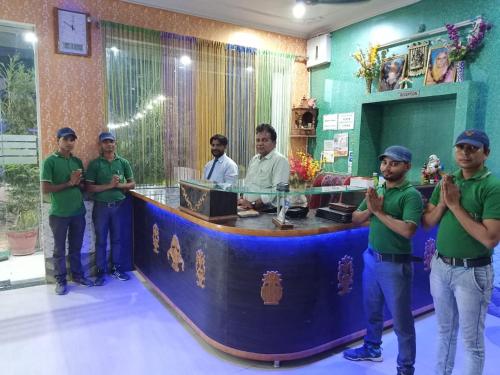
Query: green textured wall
[[426, 125]]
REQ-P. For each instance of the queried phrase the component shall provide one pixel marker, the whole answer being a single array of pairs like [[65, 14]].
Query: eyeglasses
[[470, 149]]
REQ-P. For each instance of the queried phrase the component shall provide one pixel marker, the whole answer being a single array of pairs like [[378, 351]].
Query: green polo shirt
[[57, 170], [101, 171], [480, 197], [402, 202]]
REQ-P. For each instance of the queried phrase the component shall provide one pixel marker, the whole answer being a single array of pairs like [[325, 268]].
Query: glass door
[[21, 258]]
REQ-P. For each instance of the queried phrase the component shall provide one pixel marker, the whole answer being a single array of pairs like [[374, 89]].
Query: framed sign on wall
[[72, 32]]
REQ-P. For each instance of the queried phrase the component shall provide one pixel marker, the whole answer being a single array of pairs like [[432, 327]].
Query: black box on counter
[[208, 204], [334, 215]]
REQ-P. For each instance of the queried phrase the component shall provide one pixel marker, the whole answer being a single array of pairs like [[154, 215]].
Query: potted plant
[[22, 207]]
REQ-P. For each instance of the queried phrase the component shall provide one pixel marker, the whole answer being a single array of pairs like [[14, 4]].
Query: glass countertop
[[241, 188]]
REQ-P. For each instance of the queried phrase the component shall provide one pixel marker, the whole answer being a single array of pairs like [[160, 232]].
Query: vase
[[368, 82], [460, 71]]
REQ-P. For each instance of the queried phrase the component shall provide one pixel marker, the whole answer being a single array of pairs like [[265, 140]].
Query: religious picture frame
[[439, 68], [417, 55], [392, 71]]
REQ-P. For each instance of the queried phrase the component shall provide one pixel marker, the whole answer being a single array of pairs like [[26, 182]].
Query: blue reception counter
[[257, 292]]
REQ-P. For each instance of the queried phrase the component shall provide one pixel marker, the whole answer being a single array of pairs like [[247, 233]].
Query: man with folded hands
[[466, 204], [394, 211]]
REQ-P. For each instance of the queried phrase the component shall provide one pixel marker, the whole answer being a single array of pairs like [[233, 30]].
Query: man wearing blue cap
[[394, 210], [466, 204], [61, 177], [108, 177]]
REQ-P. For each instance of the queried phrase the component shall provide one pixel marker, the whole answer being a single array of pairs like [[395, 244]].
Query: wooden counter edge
[[337, 227]]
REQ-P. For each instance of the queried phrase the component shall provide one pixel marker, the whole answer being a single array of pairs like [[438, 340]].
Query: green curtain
[[135, 103], [274, 94]]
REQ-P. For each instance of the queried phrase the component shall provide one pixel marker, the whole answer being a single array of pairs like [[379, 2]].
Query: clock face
[[72, 33]]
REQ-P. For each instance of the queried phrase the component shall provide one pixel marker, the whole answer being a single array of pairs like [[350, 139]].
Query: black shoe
[[99, 280], [61, 288], [117, 274], [83, 281]]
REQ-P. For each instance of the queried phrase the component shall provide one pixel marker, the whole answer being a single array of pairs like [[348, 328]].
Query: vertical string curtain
[[135, 109], [274, 94], [167, 94], [240, 104], [210, 95], [179, 90]]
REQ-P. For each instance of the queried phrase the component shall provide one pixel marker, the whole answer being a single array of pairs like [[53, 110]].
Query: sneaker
[[364, 353], [99, 280], [117, 274], [61, 288], [83, 281]]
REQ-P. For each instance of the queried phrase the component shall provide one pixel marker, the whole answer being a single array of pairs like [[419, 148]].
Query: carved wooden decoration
[[174, 255], [304, 119], [271, 290], [345, 275], [156, 239], [429, 250], [417, 55], [200, 268]]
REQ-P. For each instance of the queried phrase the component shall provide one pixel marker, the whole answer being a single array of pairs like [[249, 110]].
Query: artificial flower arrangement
[[303, 168], [369, 62], [461, 50]]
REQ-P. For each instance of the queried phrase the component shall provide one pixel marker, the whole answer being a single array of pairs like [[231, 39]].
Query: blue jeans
[[389, 283], [73, 227], [106, 219], [461, 298]]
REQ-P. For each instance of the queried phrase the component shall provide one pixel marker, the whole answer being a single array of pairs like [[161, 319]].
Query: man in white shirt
[[266, 169], [221, 169]]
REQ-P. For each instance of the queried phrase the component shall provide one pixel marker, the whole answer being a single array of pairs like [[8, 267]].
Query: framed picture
[[392, 70], [439, 68], [72, 32], [417, 56]]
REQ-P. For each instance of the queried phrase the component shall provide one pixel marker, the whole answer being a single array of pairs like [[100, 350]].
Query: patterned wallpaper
[[71, 89]]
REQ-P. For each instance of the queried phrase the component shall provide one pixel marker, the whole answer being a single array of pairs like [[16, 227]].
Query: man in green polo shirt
[[108, 177], [61, 177], [394, 210], [466, 205]]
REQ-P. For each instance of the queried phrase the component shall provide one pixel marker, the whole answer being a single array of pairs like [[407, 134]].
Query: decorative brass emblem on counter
[[198, 205], [174, 255], [200, 268], [271, 290], [345, 275], [156, 239], [429, 250]]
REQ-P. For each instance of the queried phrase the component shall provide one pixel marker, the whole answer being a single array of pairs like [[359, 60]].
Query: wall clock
[[72, 32]]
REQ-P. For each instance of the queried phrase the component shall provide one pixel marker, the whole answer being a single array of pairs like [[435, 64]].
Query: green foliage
[[18, 101], [23, 186]]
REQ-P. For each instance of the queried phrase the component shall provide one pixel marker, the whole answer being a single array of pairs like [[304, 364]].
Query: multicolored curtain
[[135, 103], [179, 89], [274, 94], [167, 94], [240, 104]]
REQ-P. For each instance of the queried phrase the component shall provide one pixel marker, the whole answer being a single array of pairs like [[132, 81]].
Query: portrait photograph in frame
[[439, 67], [392, 70]]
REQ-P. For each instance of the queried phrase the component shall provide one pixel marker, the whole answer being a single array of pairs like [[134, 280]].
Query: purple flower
[[459, 51]]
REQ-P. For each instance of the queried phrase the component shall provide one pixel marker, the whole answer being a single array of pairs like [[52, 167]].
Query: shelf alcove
[[426, 120]]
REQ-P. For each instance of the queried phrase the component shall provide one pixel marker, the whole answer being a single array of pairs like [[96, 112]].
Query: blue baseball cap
[[64, 132], [397, 153], [106, 135], [474, 137]]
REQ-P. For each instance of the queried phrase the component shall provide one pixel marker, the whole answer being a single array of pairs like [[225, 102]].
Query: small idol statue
[[431, 171]]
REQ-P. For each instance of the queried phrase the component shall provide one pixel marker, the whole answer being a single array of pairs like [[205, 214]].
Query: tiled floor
[[19, 270], [122, 328]]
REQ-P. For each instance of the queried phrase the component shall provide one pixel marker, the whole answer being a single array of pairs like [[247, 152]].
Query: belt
[[108, 204], [395, 258], [468, 262]]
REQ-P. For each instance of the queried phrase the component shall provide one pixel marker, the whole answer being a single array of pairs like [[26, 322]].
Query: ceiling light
[[299, 10], [185, 60]]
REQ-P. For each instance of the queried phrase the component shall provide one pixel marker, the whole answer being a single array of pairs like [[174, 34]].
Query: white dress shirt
[[225, 171]]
